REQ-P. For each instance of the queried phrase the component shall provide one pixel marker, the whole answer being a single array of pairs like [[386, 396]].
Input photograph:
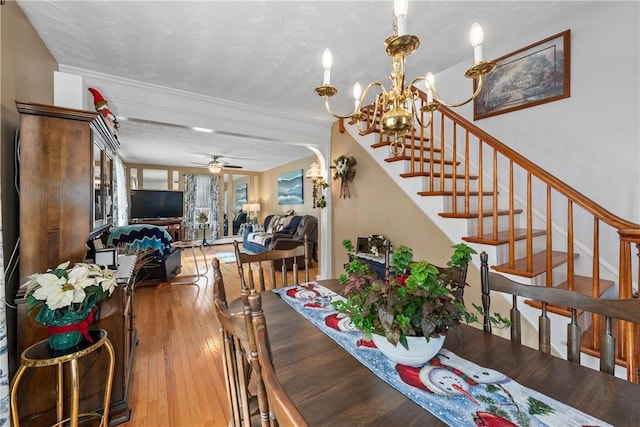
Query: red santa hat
[[98, 99], [411, 375]]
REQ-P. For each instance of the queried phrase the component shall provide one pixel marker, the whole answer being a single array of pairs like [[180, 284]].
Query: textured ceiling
[[260, 53]]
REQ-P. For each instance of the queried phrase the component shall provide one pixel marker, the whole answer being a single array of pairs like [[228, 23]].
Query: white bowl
[[419, 353]]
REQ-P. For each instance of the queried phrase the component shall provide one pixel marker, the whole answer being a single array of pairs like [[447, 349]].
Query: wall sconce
[[315, 175]]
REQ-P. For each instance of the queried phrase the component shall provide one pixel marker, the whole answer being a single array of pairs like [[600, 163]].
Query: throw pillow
[[273, 223], [282, 223]]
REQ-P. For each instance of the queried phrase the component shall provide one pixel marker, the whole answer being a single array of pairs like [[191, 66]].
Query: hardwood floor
[[177, 377]]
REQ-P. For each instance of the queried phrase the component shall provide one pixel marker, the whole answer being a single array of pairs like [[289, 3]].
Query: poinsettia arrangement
[[417, 299], [68, 291]]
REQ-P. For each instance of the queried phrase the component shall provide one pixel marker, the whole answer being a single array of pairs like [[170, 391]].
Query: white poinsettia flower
[[79, 276], [108, 284], [57, 295], [49, 279], [63, 266]]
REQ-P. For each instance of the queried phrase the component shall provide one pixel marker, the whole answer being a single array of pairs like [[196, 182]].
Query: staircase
[[536, 229]]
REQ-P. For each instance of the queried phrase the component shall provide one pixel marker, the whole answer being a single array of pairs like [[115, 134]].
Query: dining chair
[[625, 311], [238, 343], [282, 410], [251, 267]]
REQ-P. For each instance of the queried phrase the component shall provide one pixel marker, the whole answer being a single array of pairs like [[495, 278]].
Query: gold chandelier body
[[398, 105]]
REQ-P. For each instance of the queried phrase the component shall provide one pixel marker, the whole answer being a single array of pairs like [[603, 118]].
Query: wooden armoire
[[66, 183]]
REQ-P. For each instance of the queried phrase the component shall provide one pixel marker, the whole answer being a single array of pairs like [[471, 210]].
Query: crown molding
[[148, 101]]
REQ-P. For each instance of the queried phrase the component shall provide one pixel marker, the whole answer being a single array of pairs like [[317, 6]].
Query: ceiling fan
[[216, 165]]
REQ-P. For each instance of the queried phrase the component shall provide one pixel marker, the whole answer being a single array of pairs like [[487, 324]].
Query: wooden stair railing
[[550, 229]]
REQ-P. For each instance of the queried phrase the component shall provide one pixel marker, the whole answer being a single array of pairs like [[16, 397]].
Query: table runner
[[457, 391]]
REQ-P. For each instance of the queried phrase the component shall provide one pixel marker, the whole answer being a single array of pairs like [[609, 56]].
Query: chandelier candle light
[[397, 105]]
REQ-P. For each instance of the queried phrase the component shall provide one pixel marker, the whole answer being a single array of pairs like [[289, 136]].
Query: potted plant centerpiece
[[416, 306], [65, 300]]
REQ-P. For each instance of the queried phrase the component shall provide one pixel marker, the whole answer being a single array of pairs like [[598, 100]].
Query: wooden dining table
[[331, 387]]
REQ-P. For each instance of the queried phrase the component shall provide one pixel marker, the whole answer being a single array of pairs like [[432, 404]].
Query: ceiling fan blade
[[232, 166]]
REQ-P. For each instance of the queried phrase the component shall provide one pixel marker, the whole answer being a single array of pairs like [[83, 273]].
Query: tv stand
[[174, 226]]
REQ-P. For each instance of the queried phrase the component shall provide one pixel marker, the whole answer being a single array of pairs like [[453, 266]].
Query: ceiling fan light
[[215, 167]]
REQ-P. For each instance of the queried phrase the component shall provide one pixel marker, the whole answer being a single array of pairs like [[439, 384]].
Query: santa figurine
[[103, 108]]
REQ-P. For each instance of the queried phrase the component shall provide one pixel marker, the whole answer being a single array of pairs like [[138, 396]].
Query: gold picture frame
[[534, 75]]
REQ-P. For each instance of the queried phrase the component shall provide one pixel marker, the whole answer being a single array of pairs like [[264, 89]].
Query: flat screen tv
[[156, 204]]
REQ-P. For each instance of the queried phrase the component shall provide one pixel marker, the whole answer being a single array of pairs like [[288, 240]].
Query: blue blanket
[[136, 238]]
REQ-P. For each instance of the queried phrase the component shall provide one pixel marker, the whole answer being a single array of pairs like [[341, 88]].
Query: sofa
[[137, 238], [283, 232]]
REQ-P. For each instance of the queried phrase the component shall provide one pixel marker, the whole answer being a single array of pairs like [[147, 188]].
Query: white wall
[[591, 140]]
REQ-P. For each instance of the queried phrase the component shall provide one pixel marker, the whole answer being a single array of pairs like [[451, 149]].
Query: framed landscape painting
[[533, 75], [290, 188]]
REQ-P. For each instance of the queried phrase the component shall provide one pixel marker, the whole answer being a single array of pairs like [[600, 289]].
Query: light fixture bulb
[[357, 91], [430, 79], [476, 35], [314, 171], [327, 59], [215, 167], [326, 64], [400, 8]]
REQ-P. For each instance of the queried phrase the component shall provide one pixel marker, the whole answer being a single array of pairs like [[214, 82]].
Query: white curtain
[[4, 353], [206, 197], [120, 203]]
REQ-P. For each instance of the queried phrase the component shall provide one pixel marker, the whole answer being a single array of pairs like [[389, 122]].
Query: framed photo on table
[[534, 75]]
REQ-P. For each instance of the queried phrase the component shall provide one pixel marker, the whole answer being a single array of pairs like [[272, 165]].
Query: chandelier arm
[[355, 111], [416, 80], [417, 117], [373, 121], [475, 94]]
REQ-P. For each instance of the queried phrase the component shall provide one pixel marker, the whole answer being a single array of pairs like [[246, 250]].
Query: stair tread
[[417, 159], [539, 264], [503, 237], [407, 147], [476, 214], [582, 284], [435, 175], [450, 193]]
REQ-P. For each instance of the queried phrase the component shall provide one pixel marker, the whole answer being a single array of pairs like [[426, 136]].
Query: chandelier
[[398, 105]]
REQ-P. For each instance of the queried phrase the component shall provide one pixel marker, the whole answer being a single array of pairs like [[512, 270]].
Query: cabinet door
[[55, 186]]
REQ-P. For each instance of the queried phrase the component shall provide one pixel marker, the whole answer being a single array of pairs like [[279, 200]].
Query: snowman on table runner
[[340, 322], [317, 296], [448, 375], [102, 106]]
